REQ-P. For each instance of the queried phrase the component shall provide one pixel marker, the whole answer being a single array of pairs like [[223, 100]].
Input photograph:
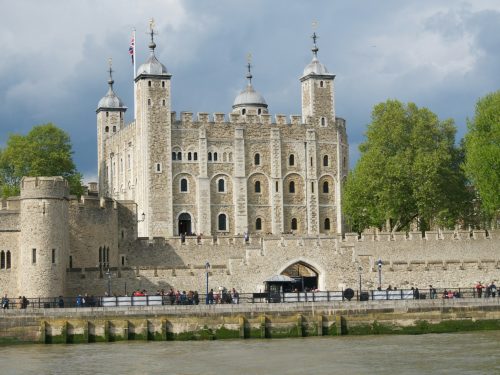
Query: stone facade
[[278, 179]]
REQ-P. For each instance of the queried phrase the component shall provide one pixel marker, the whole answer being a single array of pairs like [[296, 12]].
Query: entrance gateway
[[298, 277], [184, 223]]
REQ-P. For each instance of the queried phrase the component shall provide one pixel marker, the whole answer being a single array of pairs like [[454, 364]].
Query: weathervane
[[110, 63], [314, 37], [249, 66]]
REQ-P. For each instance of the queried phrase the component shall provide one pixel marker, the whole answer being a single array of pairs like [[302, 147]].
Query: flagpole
[[135, 71]]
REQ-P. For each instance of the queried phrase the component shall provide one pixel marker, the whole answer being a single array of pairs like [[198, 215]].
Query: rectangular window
[[158, 168], [71, 261], [123, 260], [312, 187], [33, 256], [277, 186], [53, 256]]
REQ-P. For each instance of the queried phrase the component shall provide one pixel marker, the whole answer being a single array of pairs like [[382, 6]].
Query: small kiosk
[[277, 285]]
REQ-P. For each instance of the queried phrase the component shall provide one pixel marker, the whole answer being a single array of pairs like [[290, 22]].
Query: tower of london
[[241, 197], [242, 172]]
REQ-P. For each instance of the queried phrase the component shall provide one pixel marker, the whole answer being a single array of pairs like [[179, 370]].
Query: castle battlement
[[429, 236], [44, 187]]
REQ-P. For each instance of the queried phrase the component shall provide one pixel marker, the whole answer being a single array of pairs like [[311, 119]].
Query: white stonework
[[277, 178]]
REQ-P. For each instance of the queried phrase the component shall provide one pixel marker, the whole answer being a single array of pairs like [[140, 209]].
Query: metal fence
[[250, 298]]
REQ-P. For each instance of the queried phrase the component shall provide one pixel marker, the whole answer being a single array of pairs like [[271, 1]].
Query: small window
[[323, 121], [123, 234], [107, 114], [195, 156], [33, 256], [258, 224], [243, 111], [221, 185], [179, 155], [71, 261], [8, 260], [321, 84], [163, 102], [215, 156], [326, 188], [189, 156], [259, 111], [291, 187], [294, 224], [100, 255], [53, 256], [163, 84], [106, 129], [257, 186], [209, 156], [277, 186], [291, 160], [222, 222], [2, 259], [123, 260], [174, 156], [149, 101], [325, 161], [149, 83], [311, 161], [343, 162], [327, 224], [158, 167], [184, 185], [257, 159], [312, 187]]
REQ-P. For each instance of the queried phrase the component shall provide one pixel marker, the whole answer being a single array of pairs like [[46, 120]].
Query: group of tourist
[[222, 295], [22, 302], [489, 289]]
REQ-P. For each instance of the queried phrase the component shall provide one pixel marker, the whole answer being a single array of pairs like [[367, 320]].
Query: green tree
[[482, 144], [409, 170], [45, 151]]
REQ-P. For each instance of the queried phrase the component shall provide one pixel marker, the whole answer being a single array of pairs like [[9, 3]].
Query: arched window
[[184, 185], [149, 83], [195, 156], [321, 83], [327, 224], [221, 185], [291, 160], [258, 224], [106, 129], [256, 159], [259, 111], [257, 186], [215, 156], [209, 156], [325, 161], [8, 259], [326, 188], [189, 156], [179, 155], [291, 187], [174, 156], [243, 111], [222, 222], [2, 260], [294, 224]]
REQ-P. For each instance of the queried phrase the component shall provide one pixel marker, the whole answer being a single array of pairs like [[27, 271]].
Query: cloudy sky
[[441, 54]]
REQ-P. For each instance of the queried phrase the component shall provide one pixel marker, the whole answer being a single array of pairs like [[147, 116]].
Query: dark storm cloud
[[443, 55]]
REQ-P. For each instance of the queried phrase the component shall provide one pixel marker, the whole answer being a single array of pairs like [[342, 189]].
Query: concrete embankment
[[82, 325]]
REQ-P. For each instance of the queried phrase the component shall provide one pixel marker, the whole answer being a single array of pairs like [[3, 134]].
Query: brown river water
[[458, 353]]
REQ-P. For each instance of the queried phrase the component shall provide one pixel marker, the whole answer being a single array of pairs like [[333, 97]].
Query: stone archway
[[184, 223], [306, 277]]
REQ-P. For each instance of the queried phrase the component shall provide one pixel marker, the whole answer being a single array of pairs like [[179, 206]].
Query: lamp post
[[108, 273], [379, 274], [360, 271], [207, 270]]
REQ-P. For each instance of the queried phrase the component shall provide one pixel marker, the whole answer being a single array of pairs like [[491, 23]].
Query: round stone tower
[[44, 239]]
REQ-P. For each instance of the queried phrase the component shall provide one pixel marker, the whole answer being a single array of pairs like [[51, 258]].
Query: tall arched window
[[189, 156], [195, 156], [258, 224], [8, 259], [221, 185], [215, 156], [257, 186], [179, 155], [209, 156], [327, 224], [291, 160], [326, 188], [184, 185], [325, 161], [291, 187], [257, 159], [222, 222], [2, 260], [294, 224], [174, 156]]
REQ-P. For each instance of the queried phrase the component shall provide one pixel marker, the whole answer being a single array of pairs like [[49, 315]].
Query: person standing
[[5, 302], [479, 289]]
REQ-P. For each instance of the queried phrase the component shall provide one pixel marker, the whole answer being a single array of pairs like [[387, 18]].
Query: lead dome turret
[[110, 100], [249, 101]]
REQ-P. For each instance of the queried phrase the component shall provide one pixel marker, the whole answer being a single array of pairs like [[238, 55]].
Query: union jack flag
[[131, 49]]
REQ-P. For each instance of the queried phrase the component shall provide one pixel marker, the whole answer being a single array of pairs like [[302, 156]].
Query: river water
[[458, 353]]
